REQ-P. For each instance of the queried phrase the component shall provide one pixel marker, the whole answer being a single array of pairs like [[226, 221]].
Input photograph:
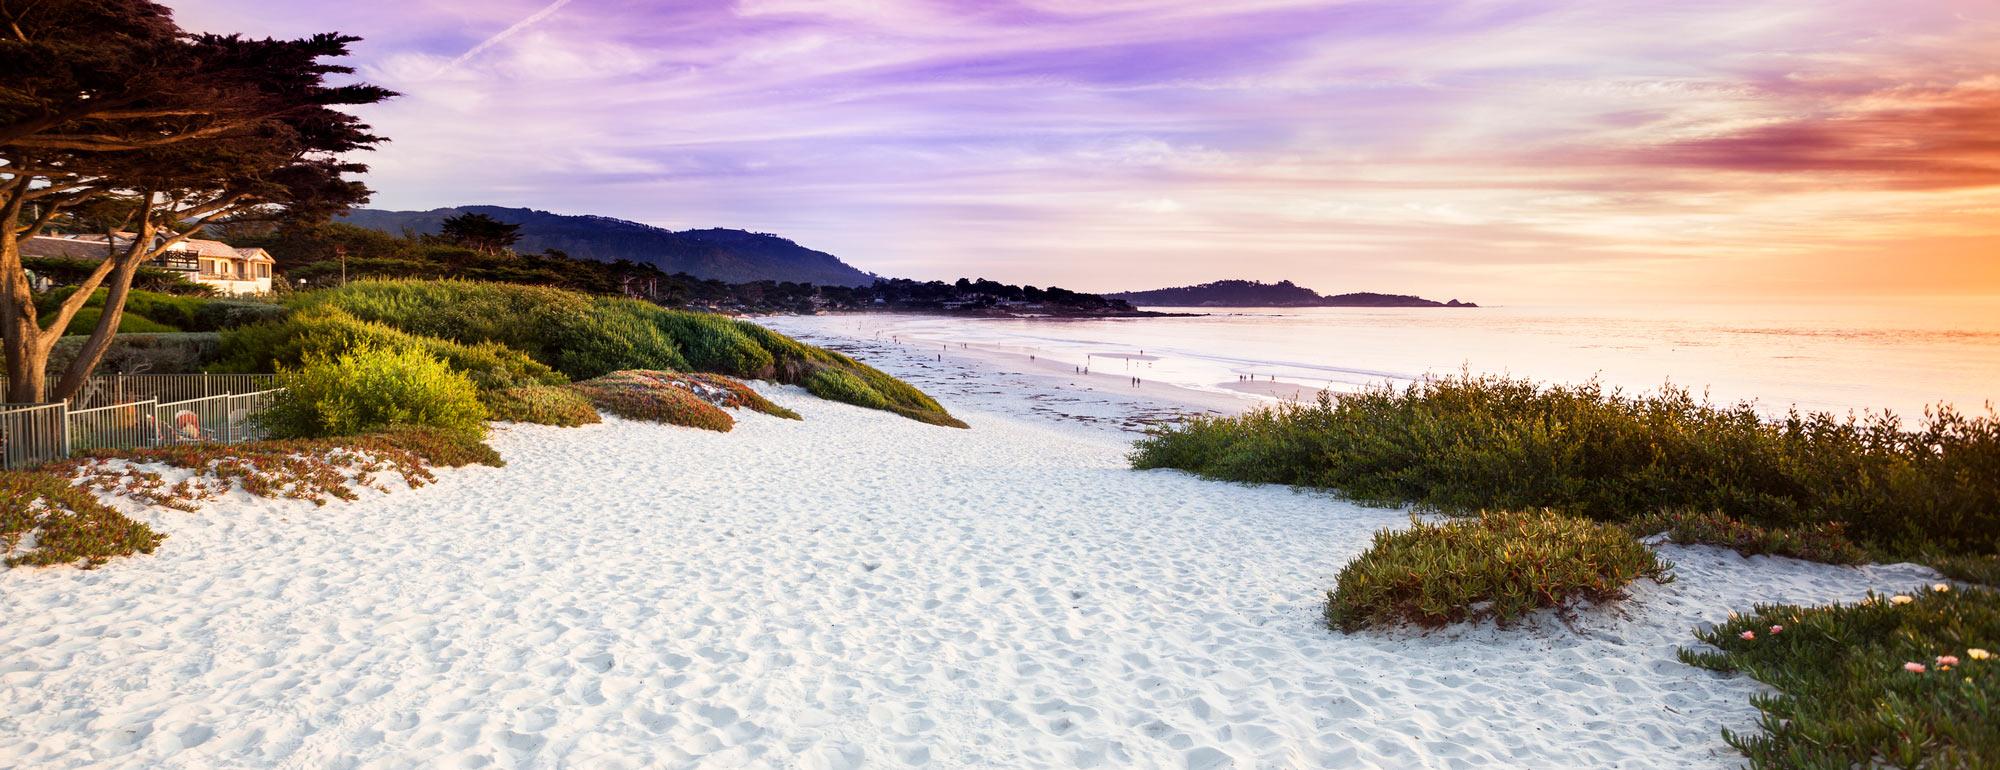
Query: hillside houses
[[228, 269]]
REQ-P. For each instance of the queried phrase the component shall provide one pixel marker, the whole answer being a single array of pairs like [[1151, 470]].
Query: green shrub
[[69, 525], [1470, 443], [1845, 697], [370, 389], [642, 395], [1815, 542], [1499, 565], [541, 405], [325, 331]]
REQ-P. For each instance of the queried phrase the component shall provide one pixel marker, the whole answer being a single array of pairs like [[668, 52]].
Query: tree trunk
[[27, 361], [92, 353]]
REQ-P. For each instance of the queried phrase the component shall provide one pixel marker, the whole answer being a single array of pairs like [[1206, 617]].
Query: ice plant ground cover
[[1904, 680], [54, 515], [844, 590]]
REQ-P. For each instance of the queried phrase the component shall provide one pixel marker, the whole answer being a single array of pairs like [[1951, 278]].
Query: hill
[[720, 254], [1235, 293]]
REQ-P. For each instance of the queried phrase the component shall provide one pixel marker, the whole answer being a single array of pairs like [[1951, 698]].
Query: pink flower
[[1947, 660], [1776, 629], [1914, 668], [1749, 635]]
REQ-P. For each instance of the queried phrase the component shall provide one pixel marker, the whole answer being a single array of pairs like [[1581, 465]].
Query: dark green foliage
[[1467, 443], [142, 353], [366, 389], [1972, 568], [648, 396], [70, 525], [1499, 565], [147, 311], [327, 331], [1814, 542], [1845, 698], [541, 405]]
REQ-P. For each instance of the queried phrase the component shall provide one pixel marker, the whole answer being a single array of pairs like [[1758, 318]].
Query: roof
[[208, 248], [61, 247]]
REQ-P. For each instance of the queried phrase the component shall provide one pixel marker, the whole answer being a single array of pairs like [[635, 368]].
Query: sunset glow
[[1500, 151]]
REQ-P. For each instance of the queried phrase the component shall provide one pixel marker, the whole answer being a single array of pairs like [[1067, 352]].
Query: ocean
[[1853, 357]]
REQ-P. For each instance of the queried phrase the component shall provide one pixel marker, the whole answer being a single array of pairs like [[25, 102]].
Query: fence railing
[[31, 435], [110, 389]]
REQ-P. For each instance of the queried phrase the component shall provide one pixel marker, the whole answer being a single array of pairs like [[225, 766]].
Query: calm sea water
[[1900, 356]]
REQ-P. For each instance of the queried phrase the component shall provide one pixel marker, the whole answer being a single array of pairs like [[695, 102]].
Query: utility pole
[[340, 250]]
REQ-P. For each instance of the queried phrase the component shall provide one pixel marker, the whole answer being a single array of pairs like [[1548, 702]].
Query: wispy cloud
[[501, 36], [1348, 144]]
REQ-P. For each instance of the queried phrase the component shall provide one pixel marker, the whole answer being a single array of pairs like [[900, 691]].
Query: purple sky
[[1496, 151]]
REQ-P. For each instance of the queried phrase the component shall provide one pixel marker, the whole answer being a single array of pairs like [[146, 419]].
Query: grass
[[1499, 565], [540, 404], [1813, 542], [1471, 442], [1886, 682], [51, 516], [652, 397]]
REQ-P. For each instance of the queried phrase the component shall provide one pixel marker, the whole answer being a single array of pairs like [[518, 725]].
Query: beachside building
[[228, 269]]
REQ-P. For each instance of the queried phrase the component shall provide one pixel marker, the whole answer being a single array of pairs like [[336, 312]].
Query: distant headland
[[1235, 293]]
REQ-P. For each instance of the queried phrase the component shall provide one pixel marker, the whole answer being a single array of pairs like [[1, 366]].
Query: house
[[228, 269]]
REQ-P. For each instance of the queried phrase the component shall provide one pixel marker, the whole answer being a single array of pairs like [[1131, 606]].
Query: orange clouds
[[1899, 138]]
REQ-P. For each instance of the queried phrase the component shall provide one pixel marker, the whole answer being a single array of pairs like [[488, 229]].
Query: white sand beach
[[854, 590]]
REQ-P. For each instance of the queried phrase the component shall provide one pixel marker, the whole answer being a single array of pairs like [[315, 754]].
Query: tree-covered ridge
[[721, 254], [1239, 293]]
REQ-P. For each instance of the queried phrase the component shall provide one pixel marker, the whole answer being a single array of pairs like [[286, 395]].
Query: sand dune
[[854, 590]]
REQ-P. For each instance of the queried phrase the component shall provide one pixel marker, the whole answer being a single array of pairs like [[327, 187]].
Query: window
[[263, 270]]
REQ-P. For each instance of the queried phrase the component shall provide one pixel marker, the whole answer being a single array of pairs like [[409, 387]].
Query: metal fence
[[31, 434], [110, 389], [37, 434]]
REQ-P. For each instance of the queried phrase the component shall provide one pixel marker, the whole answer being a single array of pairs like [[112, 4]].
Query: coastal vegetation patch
[[45, 520], [584, 337], [327, 331], [1467, 443], [1501, 565], [1906, 681], [1824, 542], [540, 404], [652, 397], [52, 515]]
